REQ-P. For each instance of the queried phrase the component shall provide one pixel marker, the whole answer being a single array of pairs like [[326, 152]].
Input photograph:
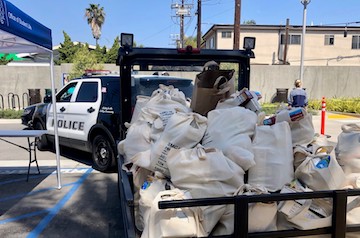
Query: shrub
[[11, 114]]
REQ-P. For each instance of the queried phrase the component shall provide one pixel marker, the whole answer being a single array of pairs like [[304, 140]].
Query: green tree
[[95, 16], [4, 60], [249, 22], [112, 53], [100, 53], [67, 50], [191, 40], [136, 45], [84, 59]]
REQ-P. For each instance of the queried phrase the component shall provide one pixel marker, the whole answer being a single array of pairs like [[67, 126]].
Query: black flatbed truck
[[145, 59]]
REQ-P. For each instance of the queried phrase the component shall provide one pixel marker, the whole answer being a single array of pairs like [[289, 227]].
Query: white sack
[[302, 130], [148, 192], [353, 208], [318, 176], [347, 150], [302, 217], [312, 213], [272, 146], [175, 93], [149, 120], [176, 222], [139, 175], [158, 111], [183, 130], [320, 144], [141, 101], [304, 214], [231, 130], [262, 216], [138, 139], [205, 172]]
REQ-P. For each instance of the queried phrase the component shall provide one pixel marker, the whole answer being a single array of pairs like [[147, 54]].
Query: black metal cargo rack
[[145, 58]]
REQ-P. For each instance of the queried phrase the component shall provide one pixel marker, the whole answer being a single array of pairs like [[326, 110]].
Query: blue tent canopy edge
[[16, 22], [22, 34]]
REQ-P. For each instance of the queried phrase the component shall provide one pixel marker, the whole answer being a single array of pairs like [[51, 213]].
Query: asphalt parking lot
[[87, 205]]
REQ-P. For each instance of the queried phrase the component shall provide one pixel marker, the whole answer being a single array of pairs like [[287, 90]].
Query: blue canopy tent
[[19, 33]]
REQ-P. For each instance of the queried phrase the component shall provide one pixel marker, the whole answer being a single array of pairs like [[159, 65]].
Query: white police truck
[[88, 111]]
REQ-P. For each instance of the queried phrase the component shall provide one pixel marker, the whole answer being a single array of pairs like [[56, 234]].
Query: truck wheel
[[102, 153], [42, 142]]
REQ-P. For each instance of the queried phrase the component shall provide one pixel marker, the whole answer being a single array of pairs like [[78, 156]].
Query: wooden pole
[[286, 40], [236, 45], [198, 38]]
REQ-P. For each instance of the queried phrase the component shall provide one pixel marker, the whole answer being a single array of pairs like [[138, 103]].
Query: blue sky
[[153, 24]]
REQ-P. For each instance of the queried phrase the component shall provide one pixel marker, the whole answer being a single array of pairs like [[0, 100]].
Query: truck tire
[[102, 153], [42, 142]]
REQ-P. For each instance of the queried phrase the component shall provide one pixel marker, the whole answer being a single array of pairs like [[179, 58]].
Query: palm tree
[[95, 18]]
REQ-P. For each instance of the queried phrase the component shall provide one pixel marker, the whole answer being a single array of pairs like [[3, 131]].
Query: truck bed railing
[[126, 200], [338, 229]]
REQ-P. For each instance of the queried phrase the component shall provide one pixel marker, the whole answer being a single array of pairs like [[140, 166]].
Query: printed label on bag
[[160, 162], [165, 116]]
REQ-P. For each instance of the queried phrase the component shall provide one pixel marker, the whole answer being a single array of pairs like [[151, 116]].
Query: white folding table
[[31, 144]]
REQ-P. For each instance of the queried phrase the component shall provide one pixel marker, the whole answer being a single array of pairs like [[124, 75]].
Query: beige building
[[324, 45]]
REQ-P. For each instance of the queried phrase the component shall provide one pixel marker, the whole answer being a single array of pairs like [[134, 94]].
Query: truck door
[[82, 113], [63, 100]]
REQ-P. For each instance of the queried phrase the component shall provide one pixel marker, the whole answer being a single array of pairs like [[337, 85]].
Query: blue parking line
[[23, 179], [32, 193], [53, 211], [24, 216], [42, 175]]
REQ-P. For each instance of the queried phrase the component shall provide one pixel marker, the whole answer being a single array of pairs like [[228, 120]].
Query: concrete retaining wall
[[319, 81]]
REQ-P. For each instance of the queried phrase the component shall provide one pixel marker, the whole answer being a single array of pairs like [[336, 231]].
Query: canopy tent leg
[[57, 148]]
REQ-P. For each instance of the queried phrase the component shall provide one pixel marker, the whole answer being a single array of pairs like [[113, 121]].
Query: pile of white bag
[[177, 154]]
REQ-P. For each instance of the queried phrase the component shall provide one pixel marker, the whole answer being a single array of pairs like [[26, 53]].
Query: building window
[[329, 39], [212, 43], [226, 34], [355, 42], [292, 39]]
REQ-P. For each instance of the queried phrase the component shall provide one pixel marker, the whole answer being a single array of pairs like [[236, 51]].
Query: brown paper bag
[[210, 87]]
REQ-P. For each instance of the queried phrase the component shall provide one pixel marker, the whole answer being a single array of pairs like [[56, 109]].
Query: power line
[[155, 34], [344, 23]]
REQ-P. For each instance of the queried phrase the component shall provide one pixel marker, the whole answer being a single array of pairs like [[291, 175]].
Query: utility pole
[[182, 10], [286, 40], [305, 3], [198, 37], [237, 25], [182, 26]]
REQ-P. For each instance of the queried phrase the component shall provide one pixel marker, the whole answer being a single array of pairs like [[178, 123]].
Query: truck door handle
[[90, 110], [62, 109]]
